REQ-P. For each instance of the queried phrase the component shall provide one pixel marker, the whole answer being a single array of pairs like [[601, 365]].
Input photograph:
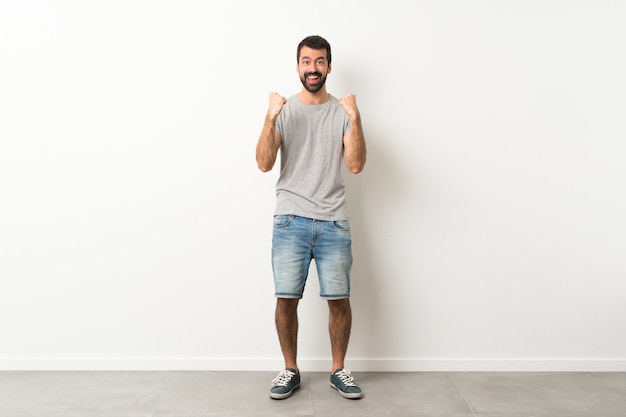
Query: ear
[[330, 67]]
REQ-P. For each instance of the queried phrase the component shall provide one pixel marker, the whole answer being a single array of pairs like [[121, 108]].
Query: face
[[313, 68]]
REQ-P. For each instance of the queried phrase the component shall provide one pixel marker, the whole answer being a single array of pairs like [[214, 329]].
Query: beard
[[313, 88]]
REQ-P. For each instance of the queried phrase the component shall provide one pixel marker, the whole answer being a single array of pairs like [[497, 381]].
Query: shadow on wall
[[372, 196]]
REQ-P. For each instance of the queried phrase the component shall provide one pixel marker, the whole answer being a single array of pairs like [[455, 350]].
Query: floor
[[203, 394]]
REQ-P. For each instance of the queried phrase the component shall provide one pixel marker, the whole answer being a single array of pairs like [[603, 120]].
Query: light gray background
[[489, 222]]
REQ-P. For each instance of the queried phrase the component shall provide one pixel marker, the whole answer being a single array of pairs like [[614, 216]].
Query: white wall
[[489, 223]]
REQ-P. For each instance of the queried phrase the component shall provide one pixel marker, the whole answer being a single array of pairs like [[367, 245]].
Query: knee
[[287, 305], [339, 306]]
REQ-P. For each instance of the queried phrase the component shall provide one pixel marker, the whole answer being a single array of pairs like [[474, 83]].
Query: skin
[[340, 313]]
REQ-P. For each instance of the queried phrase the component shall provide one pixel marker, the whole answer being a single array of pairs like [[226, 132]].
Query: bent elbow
[[356, 169], [264, 167]]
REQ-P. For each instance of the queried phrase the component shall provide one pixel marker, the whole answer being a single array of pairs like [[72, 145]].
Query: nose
[[316, 68]]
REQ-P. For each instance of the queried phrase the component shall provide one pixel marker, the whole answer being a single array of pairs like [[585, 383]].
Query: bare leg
[[287, 328], [339, 324]]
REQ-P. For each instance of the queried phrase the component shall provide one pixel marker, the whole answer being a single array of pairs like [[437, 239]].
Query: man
[[315, 133]]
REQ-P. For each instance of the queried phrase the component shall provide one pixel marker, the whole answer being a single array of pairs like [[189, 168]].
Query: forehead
[[313, 54]]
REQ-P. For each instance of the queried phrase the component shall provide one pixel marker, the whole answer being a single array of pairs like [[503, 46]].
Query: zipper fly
[[315, 232]]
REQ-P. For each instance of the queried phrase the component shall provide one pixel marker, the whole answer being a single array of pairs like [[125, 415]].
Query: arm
[[353, 139], [270, 140]]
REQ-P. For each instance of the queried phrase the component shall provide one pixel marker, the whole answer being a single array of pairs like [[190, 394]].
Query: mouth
[[313, 77]]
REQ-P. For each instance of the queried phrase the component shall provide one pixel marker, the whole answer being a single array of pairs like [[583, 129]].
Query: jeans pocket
[[282, 220], [342, 225]]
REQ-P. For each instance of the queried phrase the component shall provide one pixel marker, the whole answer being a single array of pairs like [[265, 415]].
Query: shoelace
[[346, 377], [283, 378]]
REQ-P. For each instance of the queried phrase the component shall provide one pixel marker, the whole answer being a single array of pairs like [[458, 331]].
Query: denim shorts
[[296, 241]]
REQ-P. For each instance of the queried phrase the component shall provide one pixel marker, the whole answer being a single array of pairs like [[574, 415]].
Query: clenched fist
[[276, 105], [348, 104]]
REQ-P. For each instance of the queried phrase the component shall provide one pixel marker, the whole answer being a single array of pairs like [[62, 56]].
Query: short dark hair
[[314, 42]]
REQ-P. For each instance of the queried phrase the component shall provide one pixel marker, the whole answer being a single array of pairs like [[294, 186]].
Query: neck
[[319, 97]]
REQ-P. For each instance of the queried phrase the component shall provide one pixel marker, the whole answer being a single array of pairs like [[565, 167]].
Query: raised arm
[[353, 139], [269, 141]]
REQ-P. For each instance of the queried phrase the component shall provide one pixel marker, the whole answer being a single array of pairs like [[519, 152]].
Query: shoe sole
[[348, 395], [288, 394]]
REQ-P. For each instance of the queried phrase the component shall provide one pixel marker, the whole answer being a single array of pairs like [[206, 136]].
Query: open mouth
[[313, 77], [313, 81]]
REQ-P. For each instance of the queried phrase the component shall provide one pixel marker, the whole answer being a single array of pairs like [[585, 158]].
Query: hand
[[276, 105], [348, 104]]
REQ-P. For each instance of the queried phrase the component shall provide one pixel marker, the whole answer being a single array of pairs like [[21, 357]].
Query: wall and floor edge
[[316, 365]]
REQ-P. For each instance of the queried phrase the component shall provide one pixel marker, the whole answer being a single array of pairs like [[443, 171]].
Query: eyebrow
[[315, 59]]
